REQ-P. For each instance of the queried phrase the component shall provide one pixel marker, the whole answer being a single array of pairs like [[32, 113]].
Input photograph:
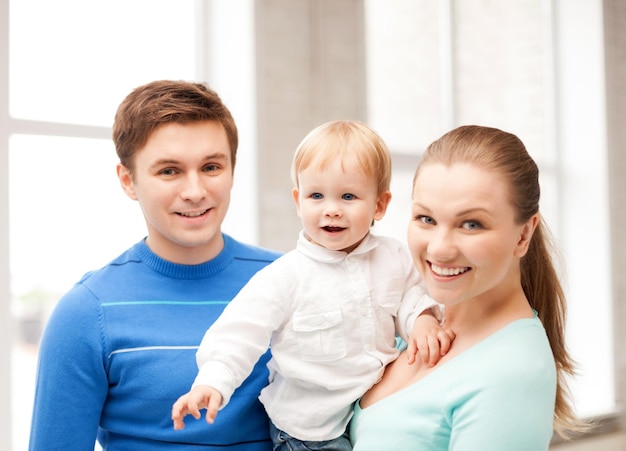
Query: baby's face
[[338, 204]]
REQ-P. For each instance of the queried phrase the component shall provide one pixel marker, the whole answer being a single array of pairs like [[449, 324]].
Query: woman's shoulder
[[518, 353], [527, 336]]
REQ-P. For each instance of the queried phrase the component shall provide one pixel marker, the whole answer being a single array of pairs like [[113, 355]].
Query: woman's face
[[463, 236]]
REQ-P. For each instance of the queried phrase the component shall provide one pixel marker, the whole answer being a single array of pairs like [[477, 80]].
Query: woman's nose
[[441, 245]]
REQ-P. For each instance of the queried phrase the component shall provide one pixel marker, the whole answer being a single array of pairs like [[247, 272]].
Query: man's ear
[[126, 180], [527, 231], [295, 194]]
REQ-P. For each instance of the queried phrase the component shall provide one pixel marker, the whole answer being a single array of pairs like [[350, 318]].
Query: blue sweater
[[120, 347]]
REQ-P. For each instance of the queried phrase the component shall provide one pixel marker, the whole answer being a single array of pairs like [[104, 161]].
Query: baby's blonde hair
[[352, 142]]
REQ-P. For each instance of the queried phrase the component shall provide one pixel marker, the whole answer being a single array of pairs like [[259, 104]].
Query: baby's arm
[[429, 338], [199, 397]]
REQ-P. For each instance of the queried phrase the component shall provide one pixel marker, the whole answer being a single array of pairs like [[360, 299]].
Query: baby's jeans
[[285, 442]]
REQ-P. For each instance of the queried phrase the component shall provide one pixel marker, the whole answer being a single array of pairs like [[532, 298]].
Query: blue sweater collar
[[142, 252]]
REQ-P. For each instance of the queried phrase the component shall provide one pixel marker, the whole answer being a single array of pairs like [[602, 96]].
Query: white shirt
[[331, 318]]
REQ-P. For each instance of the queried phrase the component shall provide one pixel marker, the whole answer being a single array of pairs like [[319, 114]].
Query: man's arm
[[71, 383]]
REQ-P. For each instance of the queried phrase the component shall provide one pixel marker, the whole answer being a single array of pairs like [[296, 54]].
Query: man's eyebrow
[[166, 161], [217, 156], [163, 162]]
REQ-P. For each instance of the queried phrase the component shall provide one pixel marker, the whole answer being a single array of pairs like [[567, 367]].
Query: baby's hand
[[199, 397], [429, 339]]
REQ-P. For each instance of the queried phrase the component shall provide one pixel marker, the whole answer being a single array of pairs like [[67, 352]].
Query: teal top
[[497, 395]]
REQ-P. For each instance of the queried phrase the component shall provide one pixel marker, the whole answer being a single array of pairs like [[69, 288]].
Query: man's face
[[182, 180]]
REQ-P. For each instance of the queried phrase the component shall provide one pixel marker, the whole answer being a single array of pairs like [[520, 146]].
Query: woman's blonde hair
[[352, 142]]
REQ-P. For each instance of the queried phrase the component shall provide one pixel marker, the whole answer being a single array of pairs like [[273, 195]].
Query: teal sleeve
[[400, 344]]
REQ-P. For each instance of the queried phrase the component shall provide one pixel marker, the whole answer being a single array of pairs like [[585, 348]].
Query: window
[[71, 63]]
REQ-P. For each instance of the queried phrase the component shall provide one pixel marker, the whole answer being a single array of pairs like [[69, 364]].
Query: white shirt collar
[[322, 254]]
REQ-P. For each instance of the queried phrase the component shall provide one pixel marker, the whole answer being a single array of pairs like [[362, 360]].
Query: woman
[[478, 240]]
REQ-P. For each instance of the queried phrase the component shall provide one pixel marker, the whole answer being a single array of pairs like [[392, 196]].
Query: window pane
[[396, 220], [404, 81], [66, 207], [73, 62], [68, 56]]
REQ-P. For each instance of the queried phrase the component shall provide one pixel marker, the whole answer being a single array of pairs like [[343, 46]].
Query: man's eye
[[348, 196], [317, 196], [167, 171], [211, 167]]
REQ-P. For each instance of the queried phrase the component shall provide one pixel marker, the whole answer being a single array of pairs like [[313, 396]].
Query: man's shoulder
[[128, 256]]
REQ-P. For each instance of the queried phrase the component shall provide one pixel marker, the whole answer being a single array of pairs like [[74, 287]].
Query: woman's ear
[[526, 234], [126, 181]]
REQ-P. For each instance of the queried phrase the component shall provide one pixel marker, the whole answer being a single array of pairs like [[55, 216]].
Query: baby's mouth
[[333, 229]]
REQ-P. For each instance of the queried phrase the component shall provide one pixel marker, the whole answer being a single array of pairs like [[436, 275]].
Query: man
[[120, 345]]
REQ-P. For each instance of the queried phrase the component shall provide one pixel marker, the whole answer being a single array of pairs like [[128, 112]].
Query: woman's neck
[[480, 317]]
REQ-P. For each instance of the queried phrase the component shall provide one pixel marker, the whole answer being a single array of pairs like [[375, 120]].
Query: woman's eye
[[425, 219], [472, 225], [348, 196], [317, 196]]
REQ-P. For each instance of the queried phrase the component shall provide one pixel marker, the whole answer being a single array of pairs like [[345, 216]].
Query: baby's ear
[[381, 205], [296, 198]]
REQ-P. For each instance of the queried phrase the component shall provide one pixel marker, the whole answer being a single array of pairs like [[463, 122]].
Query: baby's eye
[[348, 196], [317, 196]]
